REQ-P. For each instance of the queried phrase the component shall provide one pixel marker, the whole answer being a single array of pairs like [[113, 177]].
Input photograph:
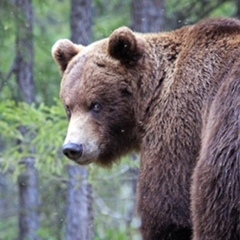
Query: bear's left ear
[[63, 51], [125, 46]]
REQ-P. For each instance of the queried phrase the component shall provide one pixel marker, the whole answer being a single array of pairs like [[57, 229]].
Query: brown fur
[[160, 94], [216, 185]]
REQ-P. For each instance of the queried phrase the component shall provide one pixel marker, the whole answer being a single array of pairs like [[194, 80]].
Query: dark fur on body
[[216, 185], [161, 94]]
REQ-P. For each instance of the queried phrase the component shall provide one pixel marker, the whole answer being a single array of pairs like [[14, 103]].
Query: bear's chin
[[84, 162]]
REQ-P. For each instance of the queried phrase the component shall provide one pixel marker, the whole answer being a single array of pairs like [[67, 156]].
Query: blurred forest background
[[43, 195]]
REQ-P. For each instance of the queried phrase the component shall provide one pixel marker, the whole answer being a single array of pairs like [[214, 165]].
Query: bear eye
[[96, 107], [68, 111]]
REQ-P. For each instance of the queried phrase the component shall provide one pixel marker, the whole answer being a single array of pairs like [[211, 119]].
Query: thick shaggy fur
[[174, 97], [216, 185]]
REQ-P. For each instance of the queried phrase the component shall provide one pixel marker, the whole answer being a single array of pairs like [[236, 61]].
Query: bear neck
[[156, 74]]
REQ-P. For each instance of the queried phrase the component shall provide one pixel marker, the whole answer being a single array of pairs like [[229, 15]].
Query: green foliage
[[180, 13], [111, 15], [113, 234], [228, 8], [5, 225], [49, 27], [7, 45], [45, 130]]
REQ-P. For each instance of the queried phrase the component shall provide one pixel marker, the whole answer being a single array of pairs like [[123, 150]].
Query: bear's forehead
[[78, 76], [89, 55], [91, 70], [85, 73]]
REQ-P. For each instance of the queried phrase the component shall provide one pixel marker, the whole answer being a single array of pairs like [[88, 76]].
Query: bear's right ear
[[63, 51], [126, 46]]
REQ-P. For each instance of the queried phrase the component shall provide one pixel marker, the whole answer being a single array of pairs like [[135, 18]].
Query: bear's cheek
[[82, 133]]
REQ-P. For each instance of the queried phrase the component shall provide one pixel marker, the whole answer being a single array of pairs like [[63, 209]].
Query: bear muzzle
[[82, 143]]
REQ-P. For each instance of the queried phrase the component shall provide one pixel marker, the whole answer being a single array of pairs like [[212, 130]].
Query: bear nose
[[72, 151]]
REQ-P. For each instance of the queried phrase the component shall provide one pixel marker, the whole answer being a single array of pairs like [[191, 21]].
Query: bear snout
[[72, 151]]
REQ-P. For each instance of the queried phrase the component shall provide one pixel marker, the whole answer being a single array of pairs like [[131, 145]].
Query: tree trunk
[[28, 179], [79, 211], [79, 214], [28, 201], [238, 8], [4, 206], [148, 15], [25, 51], [81, 21]]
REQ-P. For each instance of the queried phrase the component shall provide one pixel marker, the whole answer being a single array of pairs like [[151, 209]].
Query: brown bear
[[175, 97]]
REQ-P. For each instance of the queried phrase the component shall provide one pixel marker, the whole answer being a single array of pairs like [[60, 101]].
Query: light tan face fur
[[80, 131]]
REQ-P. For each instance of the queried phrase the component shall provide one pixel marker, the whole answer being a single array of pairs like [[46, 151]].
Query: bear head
[[99, 90]]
